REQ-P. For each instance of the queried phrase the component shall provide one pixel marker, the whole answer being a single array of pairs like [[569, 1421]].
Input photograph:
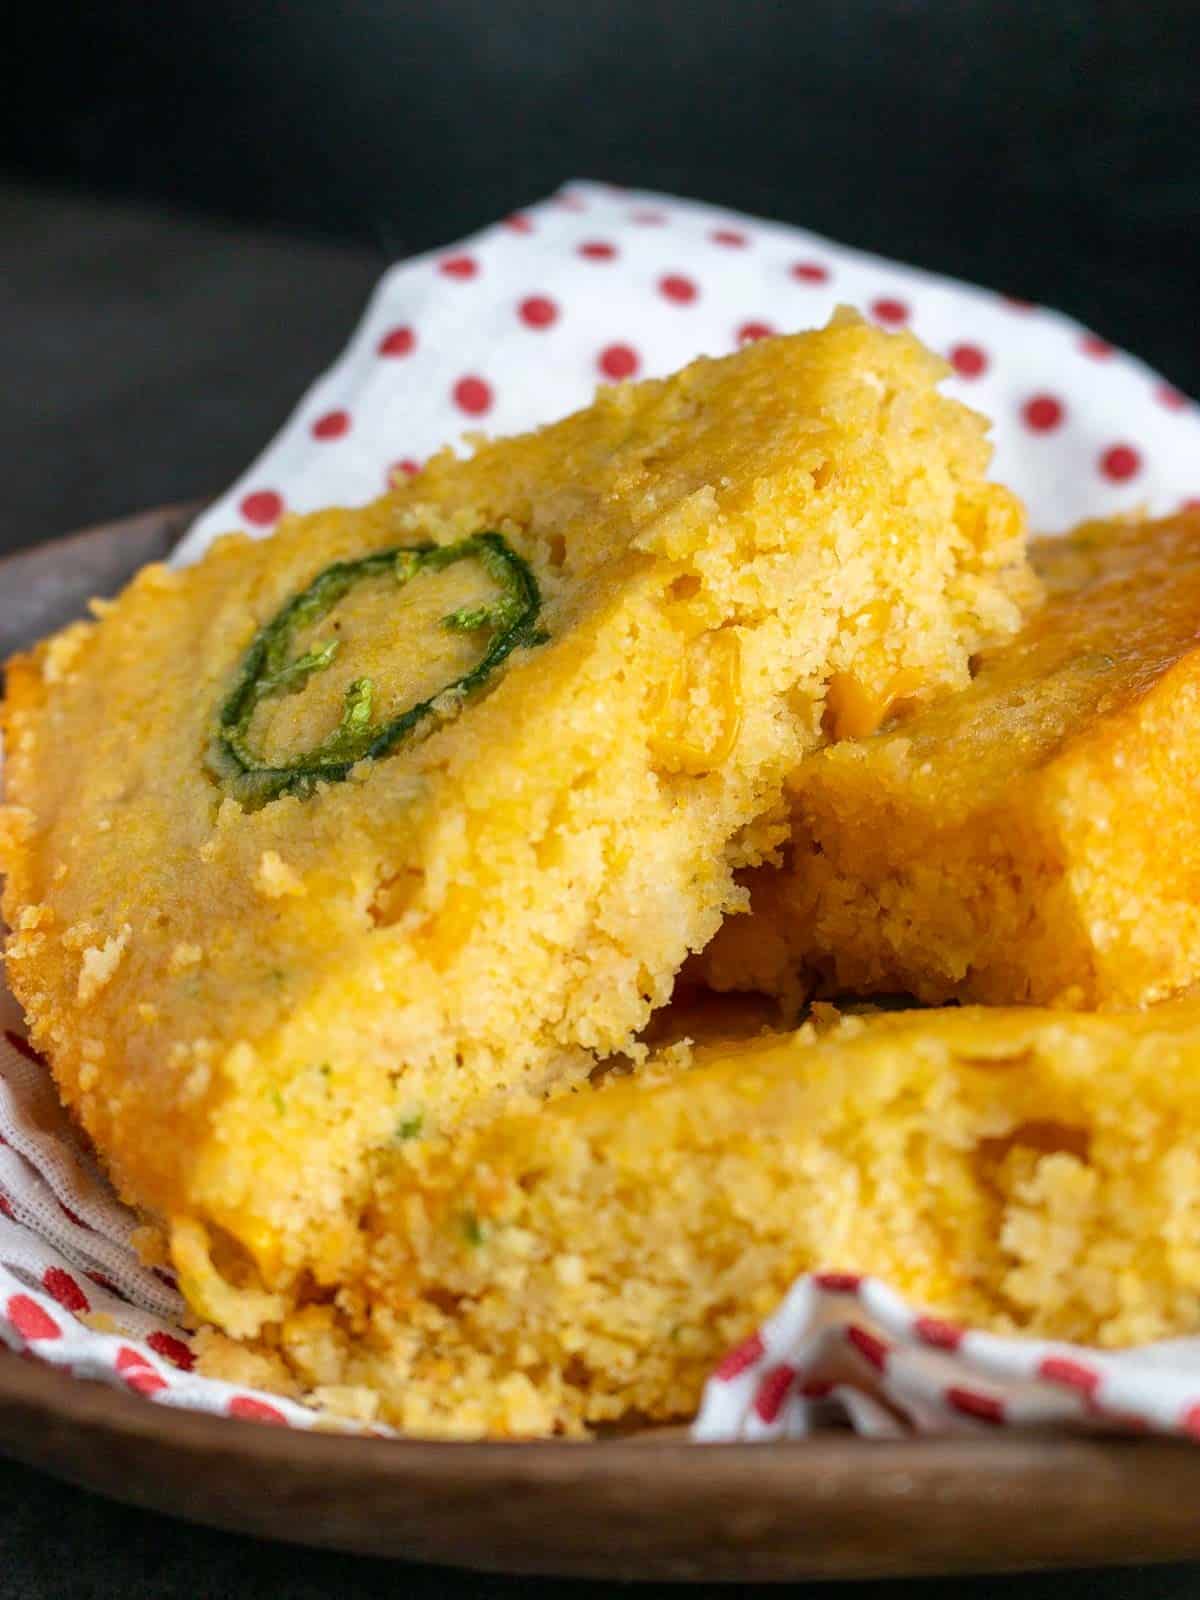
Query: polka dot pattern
[[261, 508], [783, 1380], [398, 342], [172, 1349], [538, 311], [473, 396], [618, 361], [30, 1320], [893, 313], [1075, 1374], [675, 287], [942, 1335], [743, 1356], [838, 1282], [65, 1289], [331, 425], [773, 1391], [872, 1349], [49, 1306], [968, 360], [1043, 413], [971, 1403], [460, 267], [1120, 462], [139, 1372], [249, 1409], [617, 286]]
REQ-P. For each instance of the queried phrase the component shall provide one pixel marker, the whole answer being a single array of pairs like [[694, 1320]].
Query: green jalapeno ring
[[267, 673]]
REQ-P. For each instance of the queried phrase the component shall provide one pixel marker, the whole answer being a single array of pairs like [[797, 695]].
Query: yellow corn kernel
[[241, 1312], [852, 711], [672, 747], [444, 935]]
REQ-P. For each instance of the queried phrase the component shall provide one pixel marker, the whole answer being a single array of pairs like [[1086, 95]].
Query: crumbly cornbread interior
[[1029, 839], [251, 1001], [1023, 1170]]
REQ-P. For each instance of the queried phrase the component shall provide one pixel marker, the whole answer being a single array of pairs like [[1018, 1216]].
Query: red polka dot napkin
[[514, 327], [517, 325], [847, 1349], [73, 1291]]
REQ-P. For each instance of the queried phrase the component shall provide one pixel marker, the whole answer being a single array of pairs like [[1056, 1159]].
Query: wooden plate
[[656, 1507]]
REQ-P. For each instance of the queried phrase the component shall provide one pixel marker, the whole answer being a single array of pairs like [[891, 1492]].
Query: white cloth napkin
[[513, 327]]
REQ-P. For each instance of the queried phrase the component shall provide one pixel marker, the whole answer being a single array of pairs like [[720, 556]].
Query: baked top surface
[[1122, 614], [1029, 838]]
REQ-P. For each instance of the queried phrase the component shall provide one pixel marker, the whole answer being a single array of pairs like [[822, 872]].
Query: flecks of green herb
[[499, 614], [355, 720], [277, 1101], [405, 565], [472, 1228], [293, 675], [267, 672], [409, 1127], [467, 619]]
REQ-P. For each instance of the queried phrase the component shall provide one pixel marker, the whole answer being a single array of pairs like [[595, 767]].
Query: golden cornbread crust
[[1030, 839], [249, 1008], [1021, 1170]]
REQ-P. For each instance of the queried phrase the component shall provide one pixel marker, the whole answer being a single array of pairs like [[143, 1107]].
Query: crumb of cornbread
[[497, 905], [1028, 1171], [99, 964], [1033, 839], [275, 878]]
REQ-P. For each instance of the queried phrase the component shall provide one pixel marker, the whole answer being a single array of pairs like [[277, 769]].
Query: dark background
[[195, 199], [1047, 147]]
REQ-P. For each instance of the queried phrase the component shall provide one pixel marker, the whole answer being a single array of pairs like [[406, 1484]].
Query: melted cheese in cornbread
[[1035, 838], [248, 1008]]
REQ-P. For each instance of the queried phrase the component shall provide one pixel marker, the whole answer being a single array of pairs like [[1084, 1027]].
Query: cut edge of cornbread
[[1027, 840], [1024, 1171]]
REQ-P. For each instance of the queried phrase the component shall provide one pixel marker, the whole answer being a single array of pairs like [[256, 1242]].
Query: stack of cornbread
[[347, 870]]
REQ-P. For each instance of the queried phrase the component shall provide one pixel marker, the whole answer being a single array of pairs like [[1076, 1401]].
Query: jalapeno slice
[[268, 670]]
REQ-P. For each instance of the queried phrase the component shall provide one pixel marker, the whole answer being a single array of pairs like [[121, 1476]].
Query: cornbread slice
[[1035, 838], [262, 935], [1022, 1170]]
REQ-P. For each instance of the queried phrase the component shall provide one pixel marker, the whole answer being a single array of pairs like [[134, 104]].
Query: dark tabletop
[[152, 356]]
